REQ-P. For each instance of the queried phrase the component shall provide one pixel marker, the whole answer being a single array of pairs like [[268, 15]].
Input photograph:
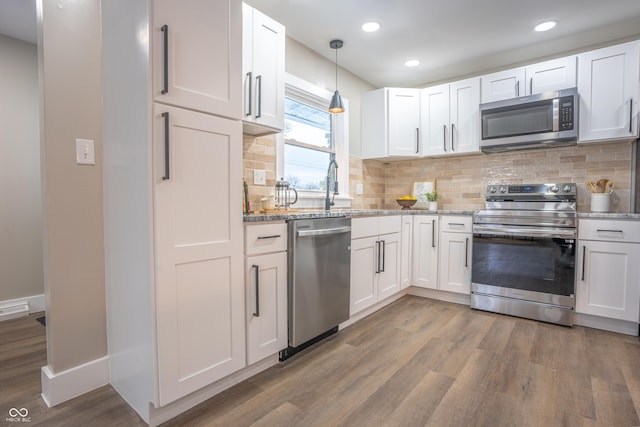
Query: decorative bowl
[[406, 203]]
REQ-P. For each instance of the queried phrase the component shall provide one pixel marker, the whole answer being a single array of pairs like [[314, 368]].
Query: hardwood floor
[[417, 362]]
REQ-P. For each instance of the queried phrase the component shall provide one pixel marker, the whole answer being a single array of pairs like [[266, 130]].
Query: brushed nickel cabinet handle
[[466, 252], [584, 251], [256, 269], [259, 89], [249, 93], [166, 175], [433, 233], [165, 65]]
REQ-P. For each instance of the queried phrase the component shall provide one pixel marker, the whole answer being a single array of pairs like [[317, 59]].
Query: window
[[308, 145], [312, 137]]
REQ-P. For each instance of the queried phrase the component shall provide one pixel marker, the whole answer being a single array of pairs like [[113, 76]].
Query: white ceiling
[[452, 38]]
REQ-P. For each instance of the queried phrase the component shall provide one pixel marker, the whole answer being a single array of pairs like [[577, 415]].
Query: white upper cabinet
[[197, 55], [450, 118], [608, 87], [502, 85], [263, 59], [391, 123], [540, 77]]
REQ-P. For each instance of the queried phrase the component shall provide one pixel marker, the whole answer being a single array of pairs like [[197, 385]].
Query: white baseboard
[[464, 299], [611, 325], [14, 308], [65, 385]]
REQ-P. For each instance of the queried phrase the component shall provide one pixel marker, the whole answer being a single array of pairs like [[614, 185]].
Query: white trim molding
[[65, 385], [14, 308]]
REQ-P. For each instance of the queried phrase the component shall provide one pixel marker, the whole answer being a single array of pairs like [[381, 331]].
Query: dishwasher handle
[[324, 231]]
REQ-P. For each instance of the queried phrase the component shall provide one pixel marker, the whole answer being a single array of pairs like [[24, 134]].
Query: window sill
[[316, 200]]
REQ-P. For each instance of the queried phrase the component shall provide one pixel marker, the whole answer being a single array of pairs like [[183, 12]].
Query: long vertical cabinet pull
[[259, 103], [518, 88], [256, 269], [417, 140], [630, 114], [433, 233], [444, 137], [584, 252], [377, 256], [165, 65], [531, 86], [166, 175], [250, 93], [384, 246], [453, 132], [466, 252]]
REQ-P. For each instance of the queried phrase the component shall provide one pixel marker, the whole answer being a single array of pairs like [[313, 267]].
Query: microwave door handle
[[556, 114]]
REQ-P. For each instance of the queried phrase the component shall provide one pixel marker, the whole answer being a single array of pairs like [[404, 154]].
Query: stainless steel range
[[524, 244]]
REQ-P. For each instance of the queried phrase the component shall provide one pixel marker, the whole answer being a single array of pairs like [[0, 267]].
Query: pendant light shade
[[336, 105]]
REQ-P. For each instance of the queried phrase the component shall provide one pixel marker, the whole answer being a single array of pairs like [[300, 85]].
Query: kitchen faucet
[[327, 202]]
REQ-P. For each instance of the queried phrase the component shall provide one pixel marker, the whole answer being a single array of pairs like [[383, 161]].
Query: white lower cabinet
[[608, 268], [266, 290], [425, 251], [406, 240], [455, 254], [375, 260]]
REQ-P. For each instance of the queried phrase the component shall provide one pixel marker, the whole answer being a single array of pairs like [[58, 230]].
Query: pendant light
[[336, 100]]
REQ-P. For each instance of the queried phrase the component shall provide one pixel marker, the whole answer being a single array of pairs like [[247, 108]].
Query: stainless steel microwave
[[547, 119]]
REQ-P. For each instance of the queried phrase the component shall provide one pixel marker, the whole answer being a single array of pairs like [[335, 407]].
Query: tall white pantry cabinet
[[172, 148]]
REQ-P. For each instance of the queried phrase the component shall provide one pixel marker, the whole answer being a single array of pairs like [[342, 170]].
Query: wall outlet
[[85, 152], [259, 177], [359, 189]]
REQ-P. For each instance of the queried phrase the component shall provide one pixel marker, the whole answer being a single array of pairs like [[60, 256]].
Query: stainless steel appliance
[[318, 279], [547, 119], [524, 244]]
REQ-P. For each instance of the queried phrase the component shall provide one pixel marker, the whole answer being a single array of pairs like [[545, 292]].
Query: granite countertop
[[336, 213]]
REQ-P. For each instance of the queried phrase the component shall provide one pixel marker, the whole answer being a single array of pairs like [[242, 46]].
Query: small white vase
[[600, 202], [433, 206]]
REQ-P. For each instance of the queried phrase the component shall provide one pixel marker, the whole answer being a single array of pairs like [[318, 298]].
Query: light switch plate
[[85, 153], [259, 177], [359, 189]]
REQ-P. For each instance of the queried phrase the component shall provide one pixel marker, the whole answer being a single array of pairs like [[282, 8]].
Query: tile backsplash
[[461, 181]]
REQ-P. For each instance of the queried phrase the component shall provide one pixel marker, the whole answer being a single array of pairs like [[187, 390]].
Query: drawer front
[[389, 224], [609, 230], [364, 227], [456, 223], [265, 238]]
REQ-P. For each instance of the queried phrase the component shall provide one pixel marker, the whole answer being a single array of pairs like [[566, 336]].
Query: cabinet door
[[406, 239], [364, 263], [434, 123], [607, 280], [404, 122], [197, 55], [199, 261], [551, 75], [455, 262], [464, 113], [266, 312], [389, 275], [264, 44], [502, 85], [425, 251], [608, 87]]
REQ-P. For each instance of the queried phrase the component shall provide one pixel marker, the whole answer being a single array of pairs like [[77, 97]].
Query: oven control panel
[[532, 191]]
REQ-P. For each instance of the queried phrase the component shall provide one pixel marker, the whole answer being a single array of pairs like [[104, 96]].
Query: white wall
[[306, 64], [20, 196]]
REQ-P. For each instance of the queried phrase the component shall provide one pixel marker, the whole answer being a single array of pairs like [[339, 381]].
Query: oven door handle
[[526, 232]]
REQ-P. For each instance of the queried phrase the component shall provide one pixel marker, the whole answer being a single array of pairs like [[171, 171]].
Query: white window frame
[[313, 95]]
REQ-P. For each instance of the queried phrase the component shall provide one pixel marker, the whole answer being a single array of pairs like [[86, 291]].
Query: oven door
[[527, 263]]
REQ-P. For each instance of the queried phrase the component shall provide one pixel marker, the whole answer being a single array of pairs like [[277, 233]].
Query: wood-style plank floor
[[417, 362]]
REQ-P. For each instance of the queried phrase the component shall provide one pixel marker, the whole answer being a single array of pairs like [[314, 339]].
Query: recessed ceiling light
[[545, 26], [412, 62], [370, 27]]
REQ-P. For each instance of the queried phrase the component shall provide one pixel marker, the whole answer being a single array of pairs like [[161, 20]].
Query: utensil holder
[[600, 202]]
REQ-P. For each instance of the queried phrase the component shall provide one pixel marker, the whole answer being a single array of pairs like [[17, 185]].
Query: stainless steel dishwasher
[[319, 267]]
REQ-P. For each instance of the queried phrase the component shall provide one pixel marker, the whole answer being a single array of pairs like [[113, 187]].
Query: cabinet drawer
[[364, 227], [265, 238], [389, 224], [456, 224], [608, 230]]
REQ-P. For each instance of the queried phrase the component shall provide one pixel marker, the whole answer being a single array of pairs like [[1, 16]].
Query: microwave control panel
[[566, 113]]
